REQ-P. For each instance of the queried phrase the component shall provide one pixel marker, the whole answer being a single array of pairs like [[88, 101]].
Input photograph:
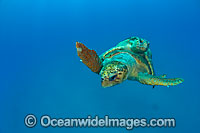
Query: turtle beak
[[104, 83], [109, 81]]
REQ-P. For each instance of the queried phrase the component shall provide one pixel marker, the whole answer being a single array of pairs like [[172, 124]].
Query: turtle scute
[[135, 44]]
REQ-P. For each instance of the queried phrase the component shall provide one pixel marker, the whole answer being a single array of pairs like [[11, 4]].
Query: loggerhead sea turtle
[[131, 59]]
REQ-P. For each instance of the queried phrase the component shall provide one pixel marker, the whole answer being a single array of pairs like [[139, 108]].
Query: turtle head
[[113, 73]]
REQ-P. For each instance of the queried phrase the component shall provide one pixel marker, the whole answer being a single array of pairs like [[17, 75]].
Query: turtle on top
[[131, 59]]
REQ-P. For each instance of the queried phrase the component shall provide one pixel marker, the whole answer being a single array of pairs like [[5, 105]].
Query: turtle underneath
[[130, 59]]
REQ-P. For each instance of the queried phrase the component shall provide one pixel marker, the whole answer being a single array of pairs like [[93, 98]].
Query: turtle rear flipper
[[89, 57], [148, 79]]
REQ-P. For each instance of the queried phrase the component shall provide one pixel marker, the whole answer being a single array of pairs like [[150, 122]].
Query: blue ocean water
[[40, 72]]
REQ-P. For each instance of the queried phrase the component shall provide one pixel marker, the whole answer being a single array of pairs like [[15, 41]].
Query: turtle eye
[[113, 78]]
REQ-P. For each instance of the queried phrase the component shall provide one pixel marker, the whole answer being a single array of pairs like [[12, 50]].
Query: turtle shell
[[139, 59], [138, 48], [135, 44]]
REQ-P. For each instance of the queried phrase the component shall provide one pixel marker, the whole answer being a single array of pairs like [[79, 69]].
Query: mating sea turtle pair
[[131, 59]]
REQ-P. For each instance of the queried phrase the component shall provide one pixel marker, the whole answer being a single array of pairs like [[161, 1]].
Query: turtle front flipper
[[89, 57], [148, 79]]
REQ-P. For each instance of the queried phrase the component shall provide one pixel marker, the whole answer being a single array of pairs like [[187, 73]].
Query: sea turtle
[[130, 59]]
